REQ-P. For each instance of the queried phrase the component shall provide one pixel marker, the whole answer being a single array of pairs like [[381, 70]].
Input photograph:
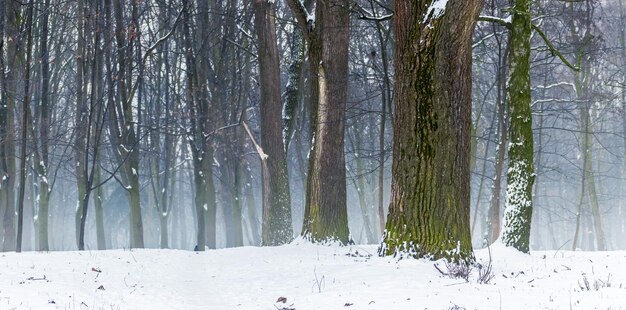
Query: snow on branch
[[305, 19], [371, 15], [506, 22], [258, 148]]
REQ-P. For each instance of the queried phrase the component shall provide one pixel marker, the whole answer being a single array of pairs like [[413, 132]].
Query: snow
[[435, 10], [506, 20], [308, 276]]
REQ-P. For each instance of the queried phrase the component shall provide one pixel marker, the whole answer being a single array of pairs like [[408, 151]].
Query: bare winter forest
[[428, 127]]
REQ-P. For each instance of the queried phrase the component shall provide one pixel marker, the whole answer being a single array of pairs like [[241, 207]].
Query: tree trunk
[[124, 133], [41, 154], [276, 196], [8, 146], [206, 118], [326, 217], [24, 132], [621, 229], [520, 174], [97, 203], [494, 215], [386, 96], [430, 191]]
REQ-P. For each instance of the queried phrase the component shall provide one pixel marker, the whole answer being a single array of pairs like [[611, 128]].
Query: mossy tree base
[[430, 191]]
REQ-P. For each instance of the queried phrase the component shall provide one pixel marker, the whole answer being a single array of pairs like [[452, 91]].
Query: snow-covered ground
[[308, 277]]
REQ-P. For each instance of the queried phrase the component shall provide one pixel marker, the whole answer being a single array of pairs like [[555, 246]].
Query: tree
[[327, 35], [42, 151], [24, 132], [90, 119], [123, 125], [520, 174], [586, 43], [430, 191], [276, 228], [7, 120]]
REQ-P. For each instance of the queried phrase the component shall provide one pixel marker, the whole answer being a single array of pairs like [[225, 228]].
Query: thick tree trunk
[[520, 174], [430, 191], [293, 91], [326, 217], [276, 196]]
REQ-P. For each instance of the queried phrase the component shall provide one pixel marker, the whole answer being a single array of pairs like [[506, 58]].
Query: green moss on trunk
[[520, 174], [429, 211]]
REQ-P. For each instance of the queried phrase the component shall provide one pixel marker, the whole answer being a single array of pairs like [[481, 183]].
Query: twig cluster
[[460, 270], [485, 273], [596, 285]]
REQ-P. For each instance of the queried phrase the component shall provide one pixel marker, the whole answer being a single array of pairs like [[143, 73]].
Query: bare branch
[[150, 50], [367, 15], [553, 50]]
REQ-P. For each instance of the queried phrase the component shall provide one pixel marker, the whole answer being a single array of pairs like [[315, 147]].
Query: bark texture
[[520, 174], [326, 216], [430, 191], [276, 197]]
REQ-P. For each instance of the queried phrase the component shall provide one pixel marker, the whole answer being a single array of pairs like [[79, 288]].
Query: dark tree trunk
[[325, 215], [24, 132], [430, 191], [206, 118], [41, 153], [8, 146], [124, 132]]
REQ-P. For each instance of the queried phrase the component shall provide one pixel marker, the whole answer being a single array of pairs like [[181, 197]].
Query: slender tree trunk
[[520, 174], [4, 130], [386, 101], [359, 184], [621, 230], [125, 135], [483, 176], [25, 125], [207, 116], [494, 215], [81, 119], [276, 196], [8, 145], [41, 161], [430, 191], [99, 210]]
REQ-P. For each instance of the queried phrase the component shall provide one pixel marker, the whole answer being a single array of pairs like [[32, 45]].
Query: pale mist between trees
[[199, 124]]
